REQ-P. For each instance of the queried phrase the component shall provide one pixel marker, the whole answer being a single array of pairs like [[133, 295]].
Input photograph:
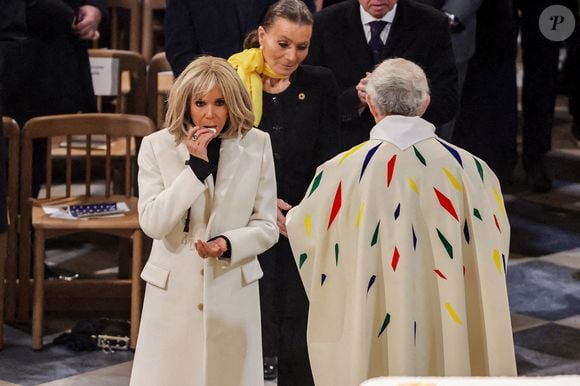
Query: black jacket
[[311, 130]]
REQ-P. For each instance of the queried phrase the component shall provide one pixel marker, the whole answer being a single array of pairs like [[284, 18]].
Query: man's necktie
[[376, 43]]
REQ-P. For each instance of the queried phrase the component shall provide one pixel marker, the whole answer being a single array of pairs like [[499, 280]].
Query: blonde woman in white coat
[[208, 199]]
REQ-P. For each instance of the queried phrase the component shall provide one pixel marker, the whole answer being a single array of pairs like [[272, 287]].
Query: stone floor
[[543, 282]]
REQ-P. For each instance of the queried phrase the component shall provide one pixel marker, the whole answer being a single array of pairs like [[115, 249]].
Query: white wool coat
[[201, 317]]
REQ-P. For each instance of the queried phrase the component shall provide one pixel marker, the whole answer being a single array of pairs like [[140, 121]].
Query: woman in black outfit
[[298, 106]]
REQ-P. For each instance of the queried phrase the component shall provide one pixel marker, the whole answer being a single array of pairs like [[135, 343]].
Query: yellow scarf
[[251, 66]]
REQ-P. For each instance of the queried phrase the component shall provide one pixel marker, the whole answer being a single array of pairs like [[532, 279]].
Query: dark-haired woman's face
[[285, 45]]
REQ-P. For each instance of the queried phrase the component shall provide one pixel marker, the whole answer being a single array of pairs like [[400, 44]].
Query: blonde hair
[[398, 86], [196, 81]]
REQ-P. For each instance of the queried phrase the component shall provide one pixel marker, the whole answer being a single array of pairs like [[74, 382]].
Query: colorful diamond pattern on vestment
[[391, 169], [448, 247], [371, 282], [453, 152], [446, 203], [360, 214], [496, 223], [466, 232], [419, 156], [454, 181], [479, 168], [397, 211], [350, 152], [386, 322], [497, 259], [414, 238], [499, 202], [440, 274], [376, 234], [315, 183], [303, 258], [336, 204], [413, 185], [477, 214], [322, 279], [453, 314], [307, 224], [368, 157], [395, 259], [336, 253]]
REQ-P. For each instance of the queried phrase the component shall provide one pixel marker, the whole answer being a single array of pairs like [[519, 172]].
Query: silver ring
[[194, 137]]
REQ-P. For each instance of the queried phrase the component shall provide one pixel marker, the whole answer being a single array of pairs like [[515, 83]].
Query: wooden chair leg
[[38, 297], [136, 286], [24, 259]]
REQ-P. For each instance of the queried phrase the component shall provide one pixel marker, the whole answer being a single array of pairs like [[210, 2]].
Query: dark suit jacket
[[59, 69], [217, 28], [419, 33]]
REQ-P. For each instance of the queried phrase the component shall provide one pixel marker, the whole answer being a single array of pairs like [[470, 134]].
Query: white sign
[[105, 72]]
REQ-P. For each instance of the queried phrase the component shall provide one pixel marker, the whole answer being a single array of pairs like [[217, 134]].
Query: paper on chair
[[86, 211]]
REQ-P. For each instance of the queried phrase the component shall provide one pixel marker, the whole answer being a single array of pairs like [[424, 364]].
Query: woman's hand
[[197, 139], [283, 207], [213, 248]]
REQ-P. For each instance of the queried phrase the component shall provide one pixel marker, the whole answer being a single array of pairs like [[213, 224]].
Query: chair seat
[[126, 221]]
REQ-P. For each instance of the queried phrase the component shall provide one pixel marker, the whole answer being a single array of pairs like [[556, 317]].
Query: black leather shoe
[[270, 368]]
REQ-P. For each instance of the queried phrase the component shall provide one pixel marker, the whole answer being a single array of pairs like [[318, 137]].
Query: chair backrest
[[132, 75], [148, 32], [109, 142], [118, 31], [12, 135], [159, 82]]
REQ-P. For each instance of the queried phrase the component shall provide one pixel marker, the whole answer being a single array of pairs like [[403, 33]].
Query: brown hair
[[196, 81], [294, 11]]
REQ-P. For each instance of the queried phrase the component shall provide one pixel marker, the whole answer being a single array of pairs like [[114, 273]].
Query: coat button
[[201, 272], [277, 156], [200, 306]]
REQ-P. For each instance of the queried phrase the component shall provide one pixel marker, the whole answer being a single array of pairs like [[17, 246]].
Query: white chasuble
[[402, 245]]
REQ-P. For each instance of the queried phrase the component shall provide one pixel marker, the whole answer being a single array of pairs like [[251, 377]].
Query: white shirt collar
[[366, 17], [402, 131]]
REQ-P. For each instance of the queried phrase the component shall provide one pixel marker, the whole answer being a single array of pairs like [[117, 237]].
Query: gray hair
[[398, 87]]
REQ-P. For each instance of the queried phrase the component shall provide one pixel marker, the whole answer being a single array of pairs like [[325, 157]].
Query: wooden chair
[[149, 29], [8, 258], [118, 32], [132, 87], [159, 82], [120, 128]]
